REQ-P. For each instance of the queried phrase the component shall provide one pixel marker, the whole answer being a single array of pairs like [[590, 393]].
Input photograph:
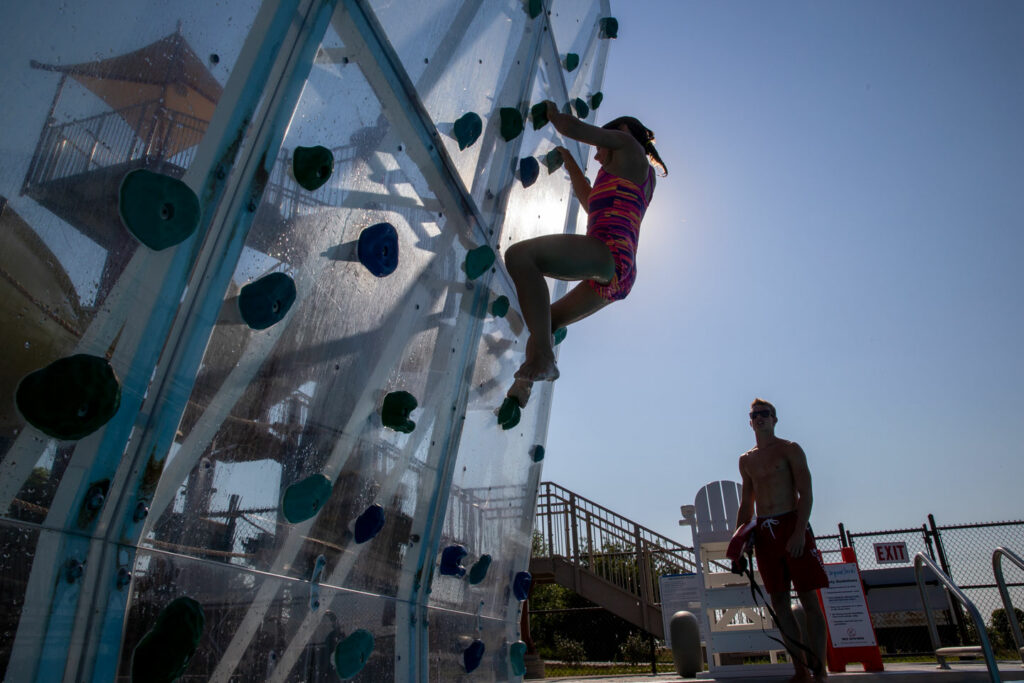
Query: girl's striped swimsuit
[[616, 208]]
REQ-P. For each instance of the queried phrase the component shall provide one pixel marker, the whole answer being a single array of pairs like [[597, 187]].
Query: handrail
[[922, 560], [997, 568]]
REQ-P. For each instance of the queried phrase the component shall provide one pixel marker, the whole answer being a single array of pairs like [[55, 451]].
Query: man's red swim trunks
[[776, 567]]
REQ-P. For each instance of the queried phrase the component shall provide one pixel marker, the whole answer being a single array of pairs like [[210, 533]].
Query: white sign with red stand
[[851, 635]]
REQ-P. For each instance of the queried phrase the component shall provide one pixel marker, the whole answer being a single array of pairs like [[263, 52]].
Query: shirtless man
[[776, 480]]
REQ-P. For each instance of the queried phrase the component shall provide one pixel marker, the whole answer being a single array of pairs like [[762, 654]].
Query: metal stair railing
[[593, 538], [921, 561], [997, 569]]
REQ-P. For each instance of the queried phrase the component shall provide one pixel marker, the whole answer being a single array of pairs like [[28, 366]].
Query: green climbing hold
[[478, 571], [538, 453], [467, 129], [582, 110], [478, 261], [499, 307], [517, 658], [559, 335], [609, 27], [596, 99], [511, 123], [304, 499], [553, 160], [312, 166], [534, 8], [395, 411], [164, 652], [266, 301], [160, 211], [572, 60], [510, 413], [351, 654], [539, 114], [71, 397]]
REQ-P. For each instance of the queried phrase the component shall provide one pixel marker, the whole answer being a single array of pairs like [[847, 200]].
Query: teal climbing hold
[[534, 8], [529, 170], [478, 261], [467, 129], [537, 453], [266, 301], [510, 413], [539, 114], [511, 123], [395, 411], [572, 60], [553, 161], [304, 499], [596, 99], [609, 27], [478, 572], [517, 658], [499, 307], [559, 335], [71, 397], [312, 166], [473, 655], [160, 211], [164, 652], [581, 107], [352, 653]]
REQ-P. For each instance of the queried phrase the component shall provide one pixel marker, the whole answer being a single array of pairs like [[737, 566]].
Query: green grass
[[584, 669]]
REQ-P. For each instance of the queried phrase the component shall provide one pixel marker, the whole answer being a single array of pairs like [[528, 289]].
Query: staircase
[[604, 557]]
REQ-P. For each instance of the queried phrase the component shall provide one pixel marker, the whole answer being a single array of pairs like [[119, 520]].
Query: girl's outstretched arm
[[580, 184], [570, 126]]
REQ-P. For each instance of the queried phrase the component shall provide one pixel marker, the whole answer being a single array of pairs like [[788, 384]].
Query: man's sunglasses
[[754, 414]]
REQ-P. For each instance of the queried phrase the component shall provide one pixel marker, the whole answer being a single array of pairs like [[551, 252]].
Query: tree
[[1000, 632]]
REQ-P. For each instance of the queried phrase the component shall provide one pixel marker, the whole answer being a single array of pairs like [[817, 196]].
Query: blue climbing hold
[[378, 249], [369, 523], [451, 560], [304, 499], [529, 171], [473, 655], [521, 585], [351, 654], [478, 572], [266, 301], [517, 658]]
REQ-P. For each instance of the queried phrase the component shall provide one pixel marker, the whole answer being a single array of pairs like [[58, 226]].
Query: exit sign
[[891, 553]]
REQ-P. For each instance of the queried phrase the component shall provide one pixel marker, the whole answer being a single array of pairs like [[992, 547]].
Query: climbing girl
[[604, 259]]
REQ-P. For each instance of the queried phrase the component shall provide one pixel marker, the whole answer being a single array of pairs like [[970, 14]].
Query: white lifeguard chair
[[731, 622]]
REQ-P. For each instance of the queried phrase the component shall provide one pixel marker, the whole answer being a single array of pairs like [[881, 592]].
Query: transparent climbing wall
[[201, 475]]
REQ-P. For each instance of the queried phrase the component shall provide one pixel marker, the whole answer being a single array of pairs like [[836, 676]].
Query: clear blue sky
[[840, 233]]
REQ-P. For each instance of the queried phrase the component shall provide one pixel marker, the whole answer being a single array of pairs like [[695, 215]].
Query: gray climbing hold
[[160, 211]]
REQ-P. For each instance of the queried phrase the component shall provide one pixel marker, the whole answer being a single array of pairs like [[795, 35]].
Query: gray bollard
[[686, 644]]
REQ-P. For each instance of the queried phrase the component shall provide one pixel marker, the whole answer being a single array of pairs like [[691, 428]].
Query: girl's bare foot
[[538, 370], [520, 391]]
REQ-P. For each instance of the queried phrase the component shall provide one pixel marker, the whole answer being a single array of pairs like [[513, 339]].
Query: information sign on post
[[680, 592], [846, 610]]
